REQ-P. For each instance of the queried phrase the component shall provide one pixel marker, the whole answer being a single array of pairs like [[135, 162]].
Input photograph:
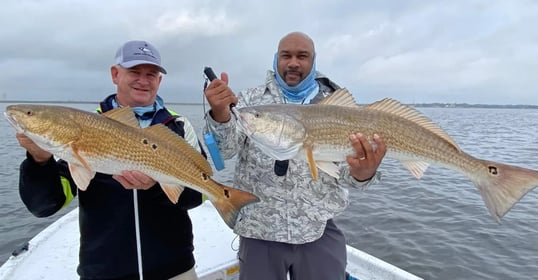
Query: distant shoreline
[[416, 105], [465, 105], [79, 102]]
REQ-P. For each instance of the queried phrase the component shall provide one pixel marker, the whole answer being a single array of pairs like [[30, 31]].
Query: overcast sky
[[478, 51]]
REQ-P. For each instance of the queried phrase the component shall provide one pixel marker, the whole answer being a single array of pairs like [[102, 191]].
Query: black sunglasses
[[281, 167]]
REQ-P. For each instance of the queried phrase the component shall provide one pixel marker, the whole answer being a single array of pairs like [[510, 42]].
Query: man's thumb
[[224, 77]]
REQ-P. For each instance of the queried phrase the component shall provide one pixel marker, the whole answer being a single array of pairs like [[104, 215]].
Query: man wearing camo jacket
[[291, 230]]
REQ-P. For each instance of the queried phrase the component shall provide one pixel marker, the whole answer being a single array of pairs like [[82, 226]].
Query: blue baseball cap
[[135, 53]]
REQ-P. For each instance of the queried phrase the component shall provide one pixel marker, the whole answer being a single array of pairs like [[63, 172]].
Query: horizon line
[[414, 104]]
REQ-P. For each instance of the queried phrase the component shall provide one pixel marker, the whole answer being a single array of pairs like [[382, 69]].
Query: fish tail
[[502, 186], [230, 202]]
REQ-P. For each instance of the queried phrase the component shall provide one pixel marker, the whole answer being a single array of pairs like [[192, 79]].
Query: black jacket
[[106, 217]]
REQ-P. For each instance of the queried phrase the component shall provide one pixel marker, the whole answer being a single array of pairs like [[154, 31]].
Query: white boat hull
[[53, 253]]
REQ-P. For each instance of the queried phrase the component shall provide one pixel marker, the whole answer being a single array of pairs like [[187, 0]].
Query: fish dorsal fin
[[123, 115], [340, 97], [394, 107], [179, 144]]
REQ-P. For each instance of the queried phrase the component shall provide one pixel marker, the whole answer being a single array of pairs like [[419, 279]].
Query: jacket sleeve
[[41, 186], [226, 135], [190, 198], [348, 181], [190, 135]]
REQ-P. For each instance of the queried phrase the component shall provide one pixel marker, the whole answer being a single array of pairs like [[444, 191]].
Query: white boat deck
[[53, 253]]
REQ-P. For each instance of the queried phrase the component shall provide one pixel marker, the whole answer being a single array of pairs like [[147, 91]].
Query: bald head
[[296, 39], [295, 57]]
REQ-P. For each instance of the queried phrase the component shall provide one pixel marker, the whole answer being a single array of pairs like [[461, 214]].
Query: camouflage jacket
[[293, 208]]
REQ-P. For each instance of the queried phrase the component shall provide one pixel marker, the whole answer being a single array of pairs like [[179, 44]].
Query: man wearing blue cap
[[108, 235]]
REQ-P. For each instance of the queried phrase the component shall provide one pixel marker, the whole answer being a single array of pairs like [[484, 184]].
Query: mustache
[[292, 71]]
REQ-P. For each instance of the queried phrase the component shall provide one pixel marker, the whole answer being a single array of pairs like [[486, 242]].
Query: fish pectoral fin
[[417, 168], [81, 175], [329, 167], [172, 191], [80, 158], [312, 163]]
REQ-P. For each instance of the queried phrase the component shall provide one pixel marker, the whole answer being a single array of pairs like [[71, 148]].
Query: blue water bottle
[[214, 151], [208, 137]]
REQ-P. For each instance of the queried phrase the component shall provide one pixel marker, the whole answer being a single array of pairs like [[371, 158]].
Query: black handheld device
[[211, 76], [208, 137], [209, 73]]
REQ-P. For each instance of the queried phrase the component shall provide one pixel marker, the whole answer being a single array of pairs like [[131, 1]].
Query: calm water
[[436, 227]]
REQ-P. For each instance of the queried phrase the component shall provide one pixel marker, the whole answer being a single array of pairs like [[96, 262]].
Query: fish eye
[[29, 113], [257, 115]]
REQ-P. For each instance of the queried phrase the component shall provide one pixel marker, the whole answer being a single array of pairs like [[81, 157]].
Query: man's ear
[[114, 74]]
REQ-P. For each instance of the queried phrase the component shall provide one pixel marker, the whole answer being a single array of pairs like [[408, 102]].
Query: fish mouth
[[235, 112], [11, 120]]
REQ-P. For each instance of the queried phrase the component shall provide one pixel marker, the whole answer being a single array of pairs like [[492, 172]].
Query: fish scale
[[332, 134], [113, 142], [319, 134]]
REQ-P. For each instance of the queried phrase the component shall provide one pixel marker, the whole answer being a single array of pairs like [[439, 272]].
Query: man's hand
[[134, 180], [220, 96], [363, 165], [40, 156]]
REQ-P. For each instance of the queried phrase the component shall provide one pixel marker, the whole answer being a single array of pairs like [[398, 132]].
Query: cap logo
[[145, 51], [134, 53]]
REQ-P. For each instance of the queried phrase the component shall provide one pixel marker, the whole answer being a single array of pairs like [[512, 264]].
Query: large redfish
[[319, 134], [113, 142]]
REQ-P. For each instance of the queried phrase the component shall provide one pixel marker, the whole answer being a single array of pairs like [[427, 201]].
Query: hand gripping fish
[[113, 142], [319, 134]]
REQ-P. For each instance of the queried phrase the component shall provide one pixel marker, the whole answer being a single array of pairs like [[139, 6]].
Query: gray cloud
[[415, 51]]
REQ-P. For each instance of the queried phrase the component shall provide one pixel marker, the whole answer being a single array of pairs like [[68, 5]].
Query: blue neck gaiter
[[303, 90], [145, 112]]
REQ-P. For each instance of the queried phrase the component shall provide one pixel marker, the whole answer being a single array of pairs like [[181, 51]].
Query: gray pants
[[323, 259]]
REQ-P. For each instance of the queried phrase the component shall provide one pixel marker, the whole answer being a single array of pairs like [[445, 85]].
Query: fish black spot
[[205, 177], [226, 193], [493, 170], [145, 141]]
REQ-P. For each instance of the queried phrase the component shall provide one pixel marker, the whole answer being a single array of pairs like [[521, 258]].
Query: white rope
[[137, 230]]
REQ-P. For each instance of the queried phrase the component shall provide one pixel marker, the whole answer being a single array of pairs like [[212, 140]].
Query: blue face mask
[[303, 90], [146, 112]]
